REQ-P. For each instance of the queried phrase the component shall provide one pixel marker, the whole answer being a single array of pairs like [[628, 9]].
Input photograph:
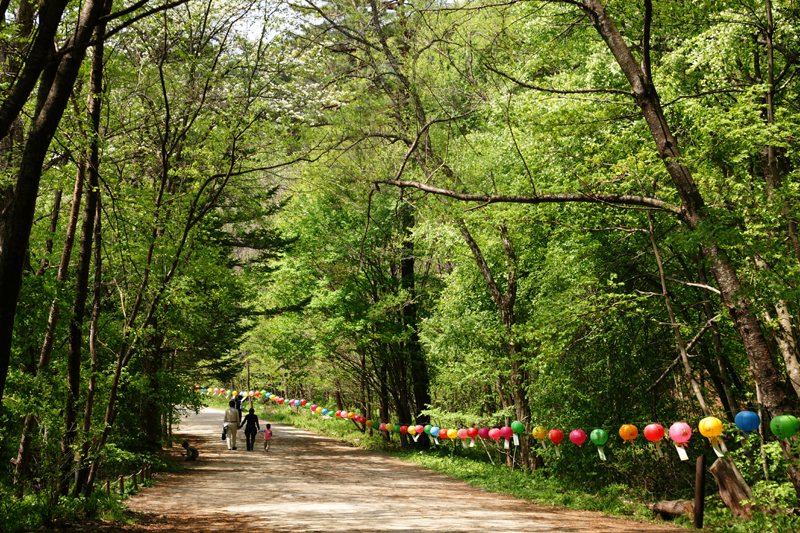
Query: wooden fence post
[[135, 484], [108, 486], [699, 491], [141, 476], [121, 485]]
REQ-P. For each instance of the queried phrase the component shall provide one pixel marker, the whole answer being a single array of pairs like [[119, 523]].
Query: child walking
[[267, 437]]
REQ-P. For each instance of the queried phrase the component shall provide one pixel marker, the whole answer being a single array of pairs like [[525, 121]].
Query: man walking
[[231, 423]]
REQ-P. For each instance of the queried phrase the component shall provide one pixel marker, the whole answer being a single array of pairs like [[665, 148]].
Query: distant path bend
[[309, 483]]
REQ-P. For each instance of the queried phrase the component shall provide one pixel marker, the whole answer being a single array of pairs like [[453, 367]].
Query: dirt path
[[308, 483]]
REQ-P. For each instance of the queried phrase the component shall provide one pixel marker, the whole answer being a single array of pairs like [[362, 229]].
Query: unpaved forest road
[[310, 483]]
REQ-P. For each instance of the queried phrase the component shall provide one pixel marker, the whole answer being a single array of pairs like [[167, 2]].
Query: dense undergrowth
[[485, 467], [35, 511]]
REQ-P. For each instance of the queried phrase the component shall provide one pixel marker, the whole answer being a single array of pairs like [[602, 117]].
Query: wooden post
[[121, 482], [108, 486], [147, 471], [135, 484], [699, 491], [141, 476], [248, 384]]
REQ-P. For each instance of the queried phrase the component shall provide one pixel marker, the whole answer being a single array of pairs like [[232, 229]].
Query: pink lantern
[[483, 433], [419, 429], [462, 434], [507, 432], [495, 434], [577, 436], [313, 407], [680, 432], [382, 426]]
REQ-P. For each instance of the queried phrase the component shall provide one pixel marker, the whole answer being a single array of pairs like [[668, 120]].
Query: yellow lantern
[[234, 393], [539, 433], [452, 434], [351, 415], [318, 410], [711, 428], [628, 432], [412, 430]]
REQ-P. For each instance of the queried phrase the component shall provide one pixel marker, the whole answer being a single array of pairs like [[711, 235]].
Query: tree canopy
[[567, 213]]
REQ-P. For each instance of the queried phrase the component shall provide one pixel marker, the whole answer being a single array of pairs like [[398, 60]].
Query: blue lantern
[[747, 421], [324, 411]]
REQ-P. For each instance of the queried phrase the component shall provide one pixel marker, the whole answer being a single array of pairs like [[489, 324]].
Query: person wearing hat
[[231, 424]]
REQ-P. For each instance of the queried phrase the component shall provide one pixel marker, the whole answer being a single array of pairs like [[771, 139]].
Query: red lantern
[[338, 413], [506, 431], [556, 436], [654, 432], [302, 402], [404, 430], [472, 432]]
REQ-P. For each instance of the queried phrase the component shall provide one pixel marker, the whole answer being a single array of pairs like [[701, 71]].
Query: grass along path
[[614, 500]]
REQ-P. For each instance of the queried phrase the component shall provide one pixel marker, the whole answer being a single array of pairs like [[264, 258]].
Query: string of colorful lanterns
[[782, 426]]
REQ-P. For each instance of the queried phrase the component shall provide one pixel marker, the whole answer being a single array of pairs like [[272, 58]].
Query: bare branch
[[486, 199], [558, 91]]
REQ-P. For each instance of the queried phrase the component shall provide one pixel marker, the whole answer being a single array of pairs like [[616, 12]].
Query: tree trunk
[[49, 18], [418, 366], [97, 297], [26, 439], [83, 268], [673, 509], [16, 232], [730, 489], [505, 304]]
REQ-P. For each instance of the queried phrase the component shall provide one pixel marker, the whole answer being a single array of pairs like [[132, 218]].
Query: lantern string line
[[304, 403]]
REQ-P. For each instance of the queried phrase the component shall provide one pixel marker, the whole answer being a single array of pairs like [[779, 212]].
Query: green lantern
[[599, 437], [784, 426], [428, 428], [396, 428], [517, 426]]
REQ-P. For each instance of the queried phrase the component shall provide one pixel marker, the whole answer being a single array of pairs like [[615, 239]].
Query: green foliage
[[35, 511]]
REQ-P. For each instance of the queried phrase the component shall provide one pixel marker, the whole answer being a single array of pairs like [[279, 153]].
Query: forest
[[567, 213]]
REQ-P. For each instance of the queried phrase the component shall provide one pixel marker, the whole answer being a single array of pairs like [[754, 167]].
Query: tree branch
[[557, 91], [486, 199]]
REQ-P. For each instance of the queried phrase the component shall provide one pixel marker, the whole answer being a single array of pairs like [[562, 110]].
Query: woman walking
[[251, 428]]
